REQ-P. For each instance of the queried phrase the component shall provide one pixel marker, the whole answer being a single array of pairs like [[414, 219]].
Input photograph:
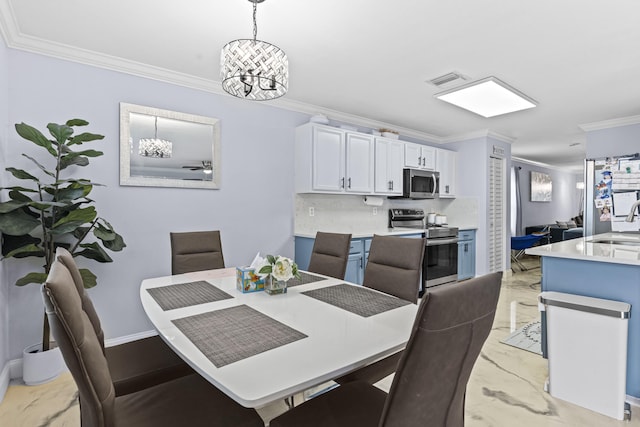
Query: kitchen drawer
[[356, 246], [466, 235]]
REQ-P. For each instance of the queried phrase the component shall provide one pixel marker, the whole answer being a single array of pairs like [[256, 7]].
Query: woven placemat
[[304, 279], [231, 334], [356, 299], [187, 294]]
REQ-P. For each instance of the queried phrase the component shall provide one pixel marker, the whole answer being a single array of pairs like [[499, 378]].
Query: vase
[[39, 366], [273, 286]]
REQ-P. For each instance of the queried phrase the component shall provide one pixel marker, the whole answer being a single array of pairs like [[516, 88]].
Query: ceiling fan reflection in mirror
[[206, 167]]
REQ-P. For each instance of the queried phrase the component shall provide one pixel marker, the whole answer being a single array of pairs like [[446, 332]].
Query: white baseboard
[[634, 401], [15, 365], [15, 369], [127, 338], [4, 380]]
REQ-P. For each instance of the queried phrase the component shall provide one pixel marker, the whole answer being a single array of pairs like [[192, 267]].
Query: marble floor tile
[[505, 388]]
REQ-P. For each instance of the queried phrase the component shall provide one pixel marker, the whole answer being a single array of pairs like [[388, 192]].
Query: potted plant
[[53, 211]]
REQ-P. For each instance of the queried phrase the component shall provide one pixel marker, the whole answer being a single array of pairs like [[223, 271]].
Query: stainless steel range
[[440, 264]]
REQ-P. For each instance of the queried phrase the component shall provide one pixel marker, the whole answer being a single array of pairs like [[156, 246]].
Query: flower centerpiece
[[277, 271]]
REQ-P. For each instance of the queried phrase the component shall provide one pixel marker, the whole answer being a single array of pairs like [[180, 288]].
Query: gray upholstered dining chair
[[394, 267], [186, 401], [330, 254], [196, 251], [134, 365], [429, 387]]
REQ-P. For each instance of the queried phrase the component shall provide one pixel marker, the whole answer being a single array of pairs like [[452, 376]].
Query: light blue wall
[[565, 196], [4, 290], [253, 210], [611, 142]]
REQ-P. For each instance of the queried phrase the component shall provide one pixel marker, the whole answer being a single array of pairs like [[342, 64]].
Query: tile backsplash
[[350, 214]]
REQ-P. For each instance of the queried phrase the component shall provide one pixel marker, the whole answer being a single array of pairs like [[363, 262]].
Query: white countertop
[[356, 234], [593, 248]]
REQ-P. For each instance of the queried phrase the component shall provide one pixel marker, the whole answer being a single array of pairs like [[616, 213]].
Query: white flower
[[282, 269], [279, 267]]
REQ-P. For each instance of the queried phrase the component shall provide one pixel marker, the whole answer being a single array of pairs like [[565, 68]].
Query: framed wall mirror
[[162, 148]]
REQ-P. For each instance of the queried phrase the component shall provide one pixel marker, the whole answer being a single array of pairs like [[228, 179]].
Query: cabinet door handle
[[446, 189], [349, 182], [389, 185], [423, 162], [361, 262], [419, 160], [342, 182], [435, 184], [466, 247]]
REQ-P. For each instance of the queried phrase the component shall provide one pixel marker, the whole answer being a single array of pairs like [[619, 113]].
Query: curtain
[[518, 201]]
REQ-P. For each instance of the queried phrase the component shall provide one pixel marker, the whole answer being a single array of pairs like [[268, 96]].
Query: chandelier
[[254, 69], [154, 147]]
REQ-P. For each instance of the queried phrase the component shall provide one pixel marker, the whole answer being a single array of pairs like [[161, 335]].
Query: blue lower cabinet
[[354, 269], [466, 254], [358, 256], [355, 264], [303, 249]]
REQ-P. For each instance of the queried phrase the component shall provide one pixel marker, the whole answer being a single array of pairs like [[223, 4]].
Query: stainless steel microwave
[[420, 184]]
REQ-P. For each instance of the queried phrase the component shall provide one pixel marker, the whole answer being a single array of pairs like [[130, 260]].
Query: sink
[[617, 242]]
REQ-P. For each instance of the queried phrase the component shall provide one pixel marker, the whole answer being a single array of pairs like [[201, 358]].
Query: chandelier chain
[[255, 23]]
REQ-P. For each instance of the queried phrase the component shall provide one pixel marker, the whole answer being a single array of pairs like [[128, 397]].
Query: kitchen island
[[602, 266]]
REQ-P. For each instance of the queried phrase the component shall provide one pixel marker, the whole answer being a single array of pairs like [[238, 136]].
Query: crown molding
[[19, 41], [8, 24], [484, 133], [352, 119], [606, 124], [546, 166], [15, 39]]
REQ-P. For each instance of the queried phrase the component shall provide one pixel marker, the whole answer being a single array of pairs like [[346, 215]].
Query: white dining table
[[337, 341]]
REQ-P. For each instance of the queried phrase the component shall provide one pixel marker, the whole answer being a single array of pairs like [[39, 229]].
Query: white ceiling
[[580, 59]]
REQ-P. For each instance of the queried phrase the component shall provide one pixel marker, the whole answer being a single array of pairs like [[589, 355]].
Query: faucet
[[632, 212]]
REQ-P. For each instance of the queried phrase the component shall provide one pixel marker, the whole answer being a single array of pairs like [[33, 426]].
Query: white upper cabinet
[[447, 165], [335, 161], [359, 163], [330, 160], [389, 162], [418, 156]]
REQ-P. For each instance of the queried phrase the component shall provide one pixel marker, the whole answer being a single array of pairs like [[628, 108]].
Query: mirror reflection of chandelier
[[207, 167], [154, 147]]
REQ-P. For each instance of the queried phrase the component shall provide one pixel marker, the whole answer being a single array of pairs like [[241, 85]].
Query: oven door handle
[[437, 242]]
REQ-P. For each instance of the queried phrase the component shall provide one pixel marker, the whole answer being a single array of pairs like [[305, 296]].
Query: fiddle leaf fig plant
[[51, 210]]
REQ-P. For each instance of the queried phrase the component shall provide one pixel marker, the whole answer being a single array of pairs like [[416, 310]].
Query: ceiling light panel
[[487, 97]]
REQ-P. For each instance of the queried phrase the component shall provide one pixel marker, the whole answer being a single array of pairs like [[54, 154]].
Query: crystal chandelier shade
[[153, 147], [253, 69]]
